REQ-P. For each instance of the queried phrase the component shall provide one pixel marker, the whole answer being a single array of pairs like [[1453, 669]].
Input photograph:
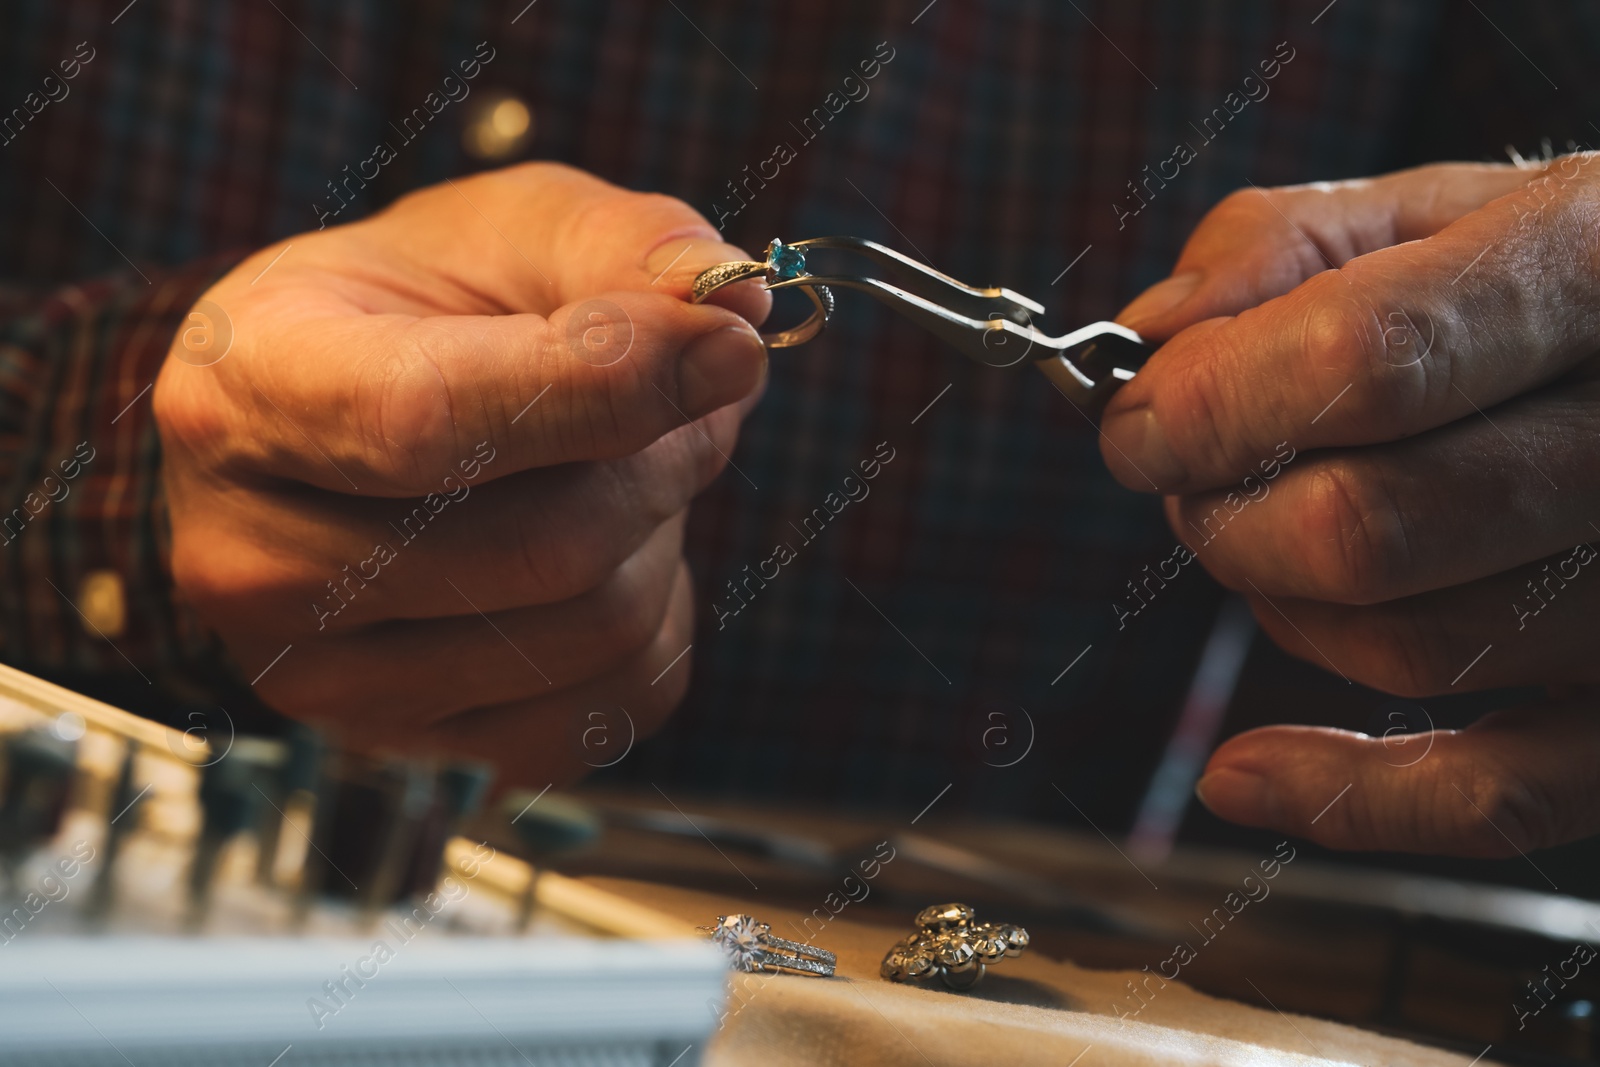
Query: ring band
[[773, 961], [711, 279], [752, 946], [782, 263], [821, 955]]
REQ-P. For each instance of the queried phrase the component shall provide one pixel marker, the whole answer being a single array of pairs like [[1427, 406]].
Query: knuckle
[[1394, 355], [1243, 203], [533, 169], [1353, 546], [1498, 813], [322, 689], [312, 694], [404, 415], [556, 565], [669, 652], [1282, 212], [566, 543], [168, 406], [1408, 649], [1343, 345], [639, 212], [246, 592], [1571, 212], [662, 214], [1205, 394], [685, 461], [182, 416], [217, 578], [1563, 243], [635, 610], [203, 584], [662, 699], [604, 419]]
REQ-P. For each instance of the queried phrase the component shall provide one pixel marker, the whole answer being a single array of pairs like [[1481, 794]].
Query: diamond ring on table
[[948, 945], [752, 946], [784, 263]]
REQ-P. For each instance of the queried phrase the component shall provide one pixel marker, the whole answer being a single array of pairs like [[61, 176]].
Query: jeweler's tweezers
[[991, 326]]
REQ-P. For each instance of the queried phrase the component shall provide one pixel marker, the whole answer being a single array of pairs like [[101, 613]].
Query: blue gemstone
[[784, 262]]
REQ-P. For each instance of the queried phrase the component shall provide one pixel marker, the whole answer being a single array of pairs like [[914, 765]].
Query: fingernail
[[1160, 298], [1139, 442], [720, 368], [1238, 796], [674, 262]]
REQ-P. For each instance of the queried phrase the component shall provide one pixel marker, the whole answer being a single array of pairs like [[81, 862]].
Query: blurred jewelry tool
[[36, 772], [948, 945], [991, 326]]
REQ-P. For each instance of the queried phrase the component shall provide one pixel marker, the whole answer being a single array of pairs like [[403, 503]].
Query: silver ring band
[[776, 961], [797, 948]]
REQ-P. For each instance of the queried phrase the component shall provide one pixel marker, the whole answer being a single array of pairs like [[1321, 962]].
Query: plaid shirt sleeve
[[83, 513]]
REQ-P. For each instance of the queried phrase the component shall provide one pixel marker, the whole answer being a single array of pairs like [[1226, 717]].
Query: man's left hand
[[1377, 416]]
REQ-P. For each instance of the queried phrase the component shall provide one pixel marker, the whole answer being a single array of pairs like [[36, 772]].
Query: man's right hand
[[445, 457]]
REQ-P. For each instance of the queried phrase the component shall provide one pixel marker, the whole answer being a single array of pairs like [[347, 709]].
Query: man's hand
[[1377, 416], [447, 458]]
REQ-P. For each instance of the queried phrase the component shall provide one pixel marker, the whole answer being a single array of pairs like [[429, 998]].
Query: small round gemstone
[[783, 261], [940, 916], [917, 962], [1016, 939], [954, 952], [987, 941]]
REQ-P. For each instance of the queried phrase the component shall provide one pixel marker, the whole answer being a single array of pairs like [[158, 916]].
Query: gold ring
[[783, 263]]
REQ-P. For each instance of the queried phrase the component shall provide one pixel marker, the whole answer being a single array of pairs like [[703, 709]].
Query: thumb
[[536, 236], [1512, 782], [1260, 243]]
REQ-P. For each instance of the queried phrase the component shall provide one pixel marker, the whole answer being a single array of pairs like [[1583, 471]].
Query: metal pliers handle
[[992, 326]]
